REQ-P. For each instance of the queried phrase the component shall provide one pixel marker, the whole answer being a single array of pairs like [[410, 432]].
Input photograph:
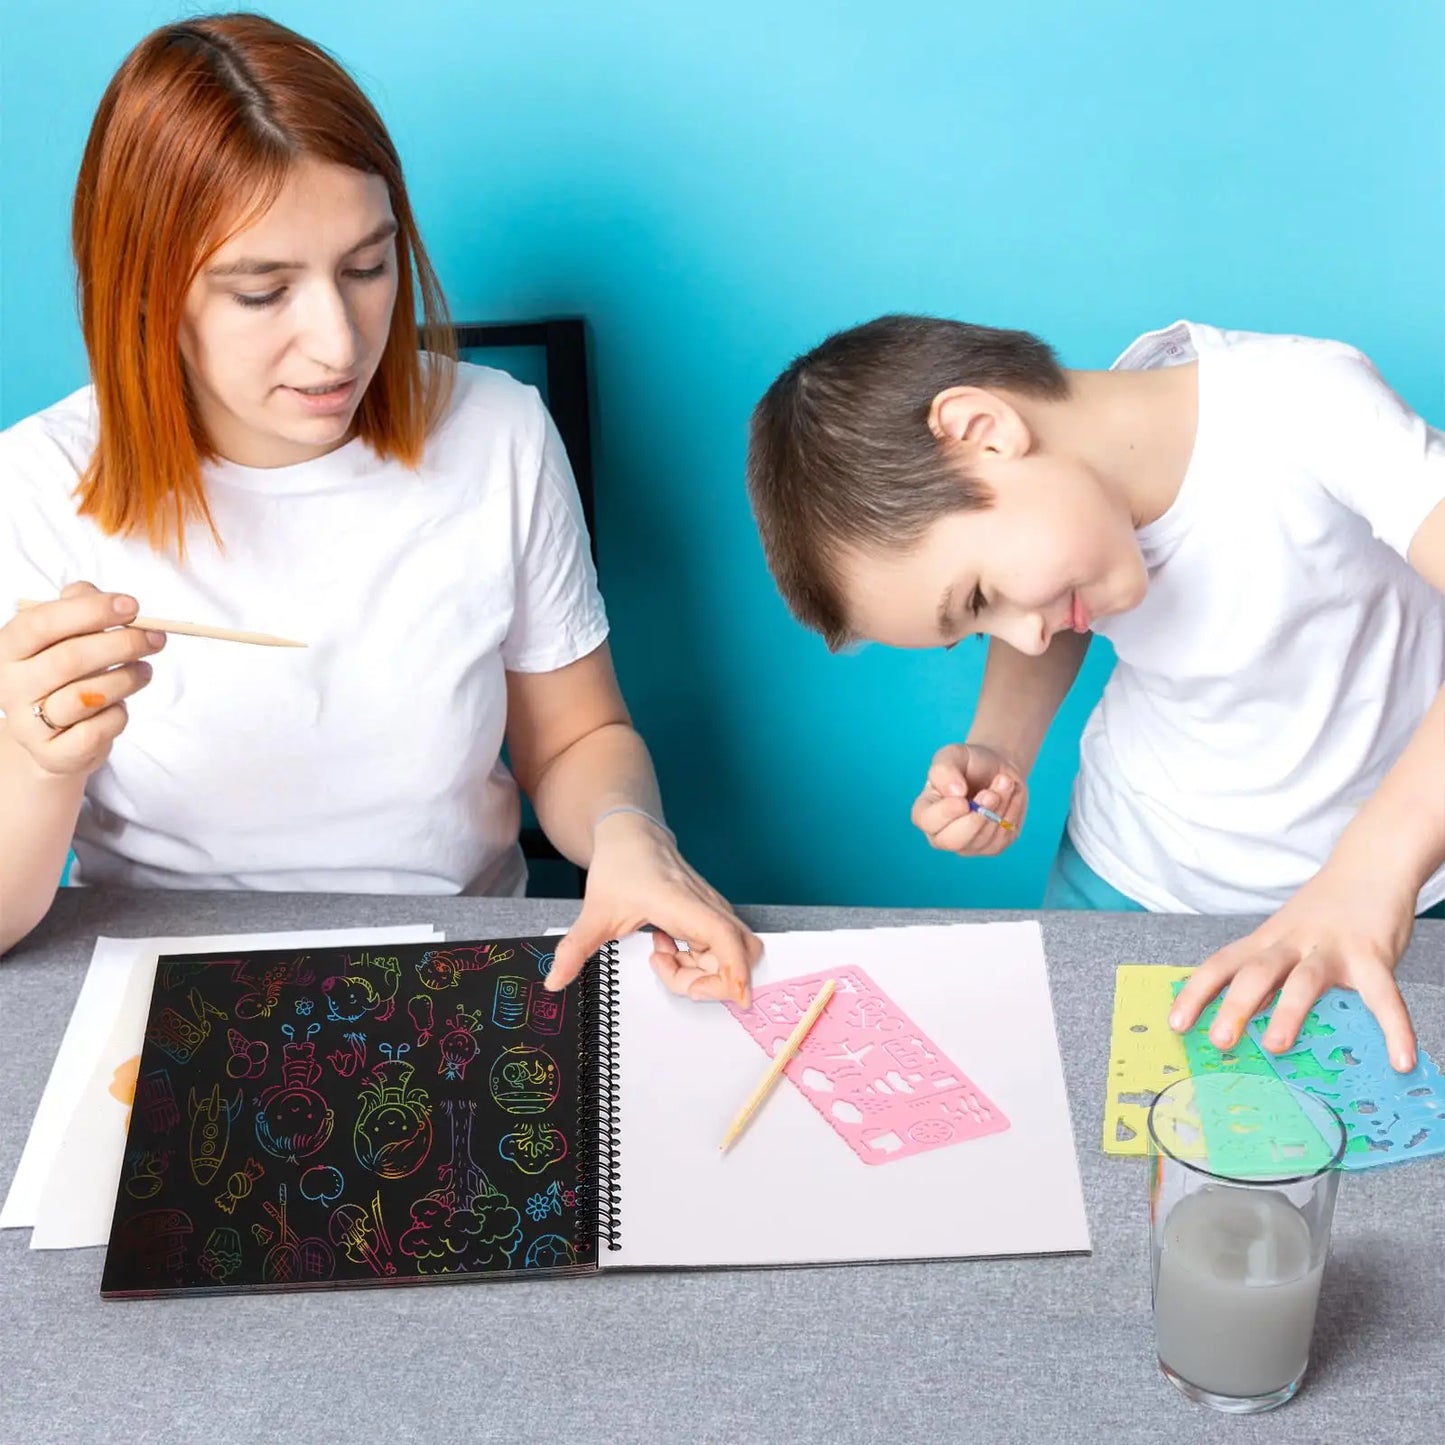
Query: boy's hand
[[1341, 930], [66, 668], [638, 877], [962, 771]]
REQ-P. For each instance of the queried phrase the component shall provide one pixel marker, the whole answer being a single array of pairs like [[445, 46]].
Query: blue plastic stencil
[[1341, 1057]]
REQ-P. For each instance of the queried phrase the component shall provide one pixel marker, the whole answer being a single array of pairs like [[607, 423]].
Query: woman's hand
[[637, 877], [66, 668]]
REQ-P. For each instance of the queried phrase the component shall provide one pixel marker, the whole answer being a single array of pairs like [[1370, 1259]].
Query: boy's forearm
[[1021, 694], [37, 820], [1399, 834]]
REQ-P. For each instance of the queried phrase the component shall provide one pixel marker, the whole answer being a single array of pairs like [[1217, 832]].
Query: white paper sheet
[[64, 1187], [791, 1191]]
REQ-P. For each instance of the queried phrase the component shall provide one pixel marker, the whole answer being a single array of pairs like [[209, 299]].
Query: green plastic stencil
[[1250, 1125]]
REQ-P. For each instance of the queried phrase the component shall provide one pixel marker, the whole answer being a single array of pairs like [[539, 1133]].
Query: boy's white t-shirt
[[368, 762], [1285, 651]]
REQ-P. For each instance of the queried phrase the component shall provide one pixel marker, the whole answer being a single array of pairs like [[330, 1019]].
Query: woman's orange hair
[[196, 133]]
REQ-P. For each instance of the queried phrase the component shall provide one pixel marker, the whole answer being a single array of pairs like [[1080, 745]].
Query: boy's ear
[[983, 424]]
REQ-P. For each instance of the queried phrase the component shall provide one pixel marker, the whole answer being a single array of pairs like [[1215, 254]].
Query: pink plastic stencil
[[886, 1088]]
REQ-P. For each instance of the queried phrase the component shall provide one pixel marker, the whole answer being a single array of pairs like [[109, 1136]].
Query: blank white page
[[791, 1190]]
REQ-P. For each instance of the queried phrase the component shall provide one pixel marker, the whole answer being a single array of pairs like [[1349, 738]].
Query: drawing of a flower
[[539, 1206]]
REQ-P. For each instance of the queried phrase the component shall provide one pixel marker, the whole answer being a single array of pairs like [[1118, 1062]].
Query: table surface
[[1034, 1350]]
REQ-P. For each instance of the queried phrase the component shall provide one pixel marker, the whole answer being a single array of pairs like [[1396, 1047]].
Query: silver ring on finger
[[38, 708]]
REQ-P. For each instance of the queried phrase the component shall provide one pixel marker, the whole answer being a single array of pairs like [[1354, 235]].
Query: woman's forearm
[[609, 767], [37, 821]]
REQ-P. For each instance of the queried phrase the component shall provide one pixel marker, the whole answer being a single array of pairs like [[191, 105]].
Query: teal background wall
[[717, 187]]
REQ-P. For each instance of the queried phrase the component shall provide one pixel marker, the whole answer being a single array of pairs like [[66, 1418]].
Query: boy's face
[[1055, 552]]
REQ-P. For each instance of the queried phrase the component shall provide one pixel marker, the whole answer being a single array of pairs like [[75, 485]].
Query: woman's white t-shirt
[[369, 761]]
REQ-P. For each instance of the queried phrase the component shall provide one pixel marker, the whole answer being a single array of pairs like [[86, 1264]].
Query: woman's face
[[285, 325]]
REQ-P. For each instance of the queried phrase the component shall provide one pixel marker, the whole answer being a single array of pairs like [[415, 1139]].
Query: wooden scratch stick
[[781, 1062], [192, 629]]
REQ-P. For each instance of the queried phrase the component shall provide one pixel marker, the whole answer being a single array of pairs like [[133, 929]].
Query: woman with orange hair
[[263, 445]]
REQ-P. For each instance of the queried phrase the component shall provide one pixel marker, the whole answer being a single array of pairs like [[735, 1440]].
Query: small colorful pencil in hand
[[989, 814]]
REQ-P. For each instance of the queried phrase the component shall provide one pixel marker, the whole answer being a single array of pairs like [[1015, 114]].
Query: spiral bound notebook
[[430, 1112]]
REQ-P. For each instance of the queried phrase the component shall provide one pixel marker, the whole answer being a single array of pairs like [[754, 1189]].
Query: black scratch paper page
[[390, 1115]]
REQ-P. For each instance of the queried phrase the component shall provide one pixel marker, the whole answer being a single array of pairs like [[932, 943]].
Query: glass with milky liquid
[[1243, 1174]]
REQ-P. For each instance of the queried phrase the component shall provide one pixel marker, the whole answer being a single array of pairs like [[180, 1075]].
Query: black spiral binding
[[599, 1145]]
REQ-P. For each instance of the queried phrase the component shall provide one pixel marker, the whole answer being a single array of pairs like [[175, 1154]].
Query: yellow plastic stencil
[[1145, 1054]]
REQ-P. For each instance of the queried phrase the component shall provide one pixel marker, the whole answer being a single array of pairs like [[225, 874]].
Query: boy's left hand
[[638, 877], [1341, 930]]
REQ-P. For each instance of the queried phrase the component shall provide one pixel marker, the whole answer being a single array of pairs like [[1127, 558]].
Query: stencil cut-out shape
[[891, 1091], [931, 1131]]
